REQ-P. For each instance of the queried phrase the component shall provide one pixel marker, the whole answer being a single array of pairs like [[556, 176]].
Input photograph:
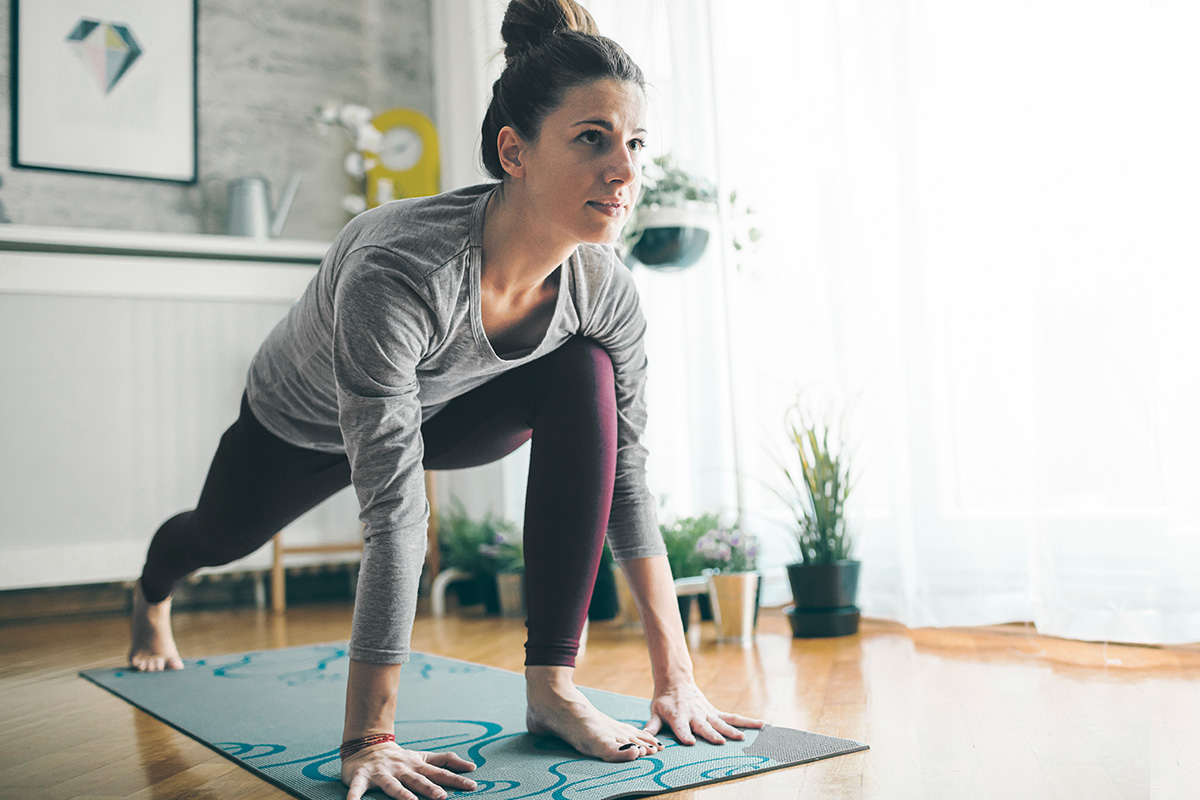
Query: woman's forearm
[[370, 699], [653, 590]]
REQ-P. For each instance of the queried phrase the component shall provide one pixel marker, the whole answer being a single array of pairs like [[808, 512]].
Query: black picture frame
[[124, 104]]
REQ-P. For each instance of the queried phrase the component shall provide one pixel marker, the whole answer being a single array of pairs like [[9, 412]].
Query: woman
[[444, 332]]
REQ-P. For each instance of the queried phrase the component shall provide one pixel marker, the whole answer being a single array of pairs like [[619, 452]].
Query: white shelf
[[41, 239]]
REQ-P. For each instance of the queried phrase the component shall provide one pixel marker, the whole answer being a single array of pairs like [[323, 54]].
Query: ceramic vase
[[512, 595], [734, 599]]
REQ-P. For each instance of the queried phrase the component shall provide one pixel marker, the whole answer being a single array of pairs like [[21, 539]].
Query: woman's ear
[[510, 148]]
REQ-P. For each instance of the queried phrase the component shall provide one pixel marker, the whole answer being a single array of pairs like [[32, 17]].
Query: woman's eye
[[596, 137]]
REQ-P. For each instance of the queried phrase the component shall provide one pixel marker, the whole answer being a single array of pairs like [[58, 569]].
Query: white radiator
[[118, 374]]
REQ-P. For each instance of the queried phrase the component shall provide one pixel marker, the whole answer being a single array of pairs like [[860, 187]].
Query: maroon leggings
[[565, 401]]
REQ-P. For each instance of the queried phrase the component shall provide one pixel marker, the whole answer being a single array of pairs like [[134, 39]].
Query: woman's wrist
[[650, 582], [362, 743], [673, 679], [670, 661], [370, 699]]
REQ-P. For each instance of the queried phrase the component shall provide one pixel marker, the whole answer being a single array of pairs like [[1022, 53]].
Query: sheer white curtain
[[981, 223], [980, 229]]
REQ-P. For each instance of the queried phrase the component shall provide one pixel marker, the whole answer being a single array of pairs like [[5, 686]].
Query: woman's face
[[582, 174]]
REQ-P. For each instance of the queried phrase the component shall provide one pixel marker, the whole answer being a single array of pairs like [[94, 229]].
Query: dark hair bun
[[527, 23]]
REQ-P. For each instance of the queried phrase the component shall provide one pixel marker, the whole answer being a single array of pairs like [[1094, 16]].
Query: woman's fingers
[[450, 760], [447, 778], [706, 731], [422, 786], [725, 729], [357, 787], [687, 714], [715, 729], [742, 722], [394, 788], [405, 774], [681, 726]]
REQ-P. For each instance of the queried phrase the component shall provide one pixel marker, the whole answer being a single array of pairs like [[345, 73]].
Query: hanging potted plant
[[825, 581], [674, 218], [729, 561]]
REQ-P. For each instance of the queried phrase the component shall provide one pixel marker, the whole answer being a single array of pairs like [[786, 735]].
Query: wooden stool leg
[[278, 598]]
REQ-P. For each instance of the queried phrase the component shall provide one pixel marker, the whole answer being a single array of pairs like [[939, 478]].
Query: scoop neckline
[[475, 266]]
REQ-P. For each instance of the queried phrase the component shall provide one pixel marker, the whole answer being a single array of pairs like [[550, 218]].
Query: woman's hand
[[404, 774], [687, 711]]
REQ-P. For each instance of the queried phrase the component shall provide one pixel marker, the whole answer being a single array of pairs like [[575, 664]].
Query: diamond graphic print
[[107, 49]]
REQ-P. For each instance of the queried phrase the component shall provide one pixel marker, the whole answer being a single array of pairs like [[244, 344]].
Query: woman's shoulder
[[603, 282], [598, 263], [423, 233]]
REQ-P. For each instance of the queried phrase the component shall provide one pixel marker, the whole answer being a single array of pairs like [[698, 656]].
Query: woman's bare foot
[[152, 647], [557, 707]]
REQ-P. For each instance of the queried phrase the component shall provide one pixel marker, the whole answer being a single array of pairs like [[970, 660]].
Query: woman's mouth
[[608, 209]]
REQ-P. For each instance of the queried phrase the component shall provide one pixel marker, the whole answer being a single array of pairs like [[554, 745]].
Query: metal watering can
[[250, 211]]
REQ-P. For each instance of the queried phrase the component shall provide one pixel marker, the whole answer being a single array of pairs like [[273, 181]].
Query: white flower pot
[[734, 599], [512, 594]]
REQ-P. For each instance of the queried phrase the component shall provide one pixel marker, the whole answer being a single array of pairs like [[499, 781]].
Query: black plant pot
[[824, 585], [466, 592], [824, 597], [604, 604], [823, 622], [685, 609], [482, 589], [490, 592]]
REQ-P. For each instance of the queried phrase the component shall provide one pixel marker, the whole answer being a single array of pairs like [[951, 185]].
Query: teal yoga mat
[[279, 714]]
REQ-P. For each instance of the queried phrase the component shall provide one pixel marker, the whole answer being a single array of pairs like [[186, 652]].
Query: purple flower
[[728, 549]]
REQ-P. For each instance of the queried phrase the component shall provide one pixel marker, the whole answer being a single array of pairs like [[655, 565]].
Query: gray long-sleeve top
[[386, 334]]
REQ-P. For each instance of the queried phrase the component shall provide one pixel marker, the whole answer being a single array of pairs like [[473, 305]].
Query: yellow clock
[[406, 164]]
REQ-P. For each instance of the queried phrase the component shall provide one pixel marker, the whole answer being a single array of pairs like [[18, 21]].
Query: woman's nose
[[624, 168]]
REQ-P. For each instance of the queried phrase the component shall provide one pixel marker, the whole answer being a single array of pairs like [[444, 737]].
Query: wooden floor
[[952, 713]]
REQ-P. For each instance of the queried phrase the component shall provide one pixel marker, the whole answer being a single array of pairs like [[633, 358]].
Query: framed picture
[[105, 87]]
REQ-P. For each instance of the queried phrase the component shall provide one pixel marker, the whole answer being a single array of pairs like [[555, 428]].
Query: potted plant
[[825, 580], [681, 537], [729, 561], [482, 548], [674, 217]]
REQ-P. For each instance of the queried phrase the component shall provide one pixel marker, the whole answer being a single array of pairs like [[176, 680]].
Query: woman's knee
[[585, 363]]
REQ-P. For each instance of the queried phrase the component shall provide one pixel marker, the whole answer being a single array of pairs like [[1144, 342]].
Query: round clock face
[[400, 149]]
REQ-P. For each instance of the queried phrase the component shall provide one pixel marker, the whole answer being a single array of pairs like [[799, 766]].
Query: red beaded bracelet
[[350, 748]]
